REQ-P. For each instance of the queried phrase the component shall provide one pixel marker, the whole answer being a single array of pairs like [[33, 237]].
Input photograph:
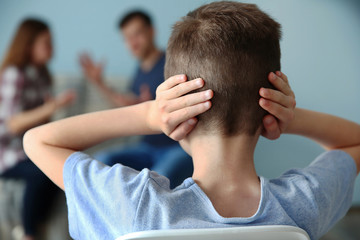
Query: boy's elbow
[[30, 142], [354, 152], [356, 156]]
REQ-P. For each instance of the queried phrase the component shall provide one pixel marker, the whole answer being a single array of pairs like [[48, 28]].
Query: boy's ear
[[270, 128]]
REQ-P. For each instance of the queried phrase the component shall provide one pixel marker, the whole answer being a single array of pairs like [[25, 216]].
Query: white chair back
[[268, 232]]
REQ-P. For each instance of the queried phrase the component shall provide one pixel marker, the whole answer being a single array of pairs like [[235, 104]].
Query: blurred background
[[320, 54]]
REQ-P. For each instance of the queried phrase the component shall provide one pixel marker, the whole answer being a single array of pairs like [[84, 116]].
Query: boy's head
[[233, 47]]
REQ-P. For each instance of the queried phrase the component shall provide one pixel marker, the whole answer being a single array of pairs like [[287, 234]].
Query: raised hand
[[93, 71], [174, 111], [279, 103]]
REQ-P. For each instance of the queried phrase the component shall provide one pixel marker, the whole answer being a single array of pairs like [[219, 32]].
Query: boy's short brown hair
[[233, 47]]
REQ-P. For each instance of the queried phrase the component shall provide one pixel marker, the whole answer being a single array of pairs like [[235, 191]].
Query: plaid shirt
[[19, 91]]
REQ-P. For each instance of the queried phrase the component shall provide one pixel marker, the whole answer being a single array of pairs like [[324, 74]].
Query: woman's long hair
[[19, 53]]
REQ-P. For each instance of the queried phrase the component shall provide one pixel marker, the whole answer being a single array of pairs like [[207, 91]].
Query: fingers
[[82, 60], [280, 84], [66, 98], [85, 58], [173, 119], [284, 95], [87, 63], [186, 101], [282, 113], [271, 128], [280, 103], [278, 97], [184, 88], [171, 82], [69, 95], [177, 109], [183, 129], [282, 76]]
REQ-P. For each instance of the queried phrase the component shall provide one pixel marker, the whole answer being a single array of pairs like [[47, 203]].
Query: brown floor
[[348, 228]]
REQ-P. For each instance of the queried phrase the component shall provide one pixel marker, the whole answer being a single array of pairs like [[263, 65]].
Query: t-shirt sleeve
[[329, 182], [102, 201]]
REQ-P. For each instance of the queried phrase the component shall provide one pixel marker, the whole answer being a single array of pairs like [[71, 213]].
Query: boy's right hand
[[174, 111], [279, 103]]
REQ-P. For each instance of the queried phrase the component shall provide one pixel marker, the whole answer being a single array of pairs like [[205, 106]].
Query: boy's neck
[[224, 169]]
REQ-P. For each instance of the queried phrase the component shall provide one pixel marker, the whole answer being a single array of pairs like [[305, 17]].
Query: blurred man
[[157, 152]]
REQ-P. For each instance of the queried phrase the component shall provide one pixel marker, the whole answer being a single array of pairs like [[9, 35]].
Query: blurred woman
[[26, 102]]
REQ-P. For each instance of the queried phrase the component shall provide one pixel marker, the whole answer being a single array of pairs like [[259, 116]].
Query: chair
[[269, 232]]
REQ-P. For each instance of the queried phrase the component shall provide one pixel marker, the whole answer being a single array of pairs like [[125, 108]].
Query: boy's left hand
[[279, 103], [174, 111]]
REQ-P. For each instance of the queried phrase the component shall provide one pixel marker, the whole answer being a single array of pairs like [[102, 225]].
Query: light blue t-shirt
[[108, 202]]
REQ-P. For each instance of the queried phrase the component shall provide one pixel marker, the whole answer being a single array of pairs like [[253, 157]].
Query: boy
[[232, 46]]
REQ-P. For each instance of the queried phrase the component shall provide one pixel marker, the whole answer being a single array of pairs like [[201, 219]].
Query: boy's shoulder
[[317, 196], [332, 173], [102, 201], [312, 198]]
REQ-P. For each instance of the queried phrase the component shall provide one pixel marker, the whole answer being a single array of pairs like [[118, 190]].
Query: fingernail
[[278, 73], [199, 82], [263, 102], [191, 121], [208, 94], [263, 91], [181, 77], [272, 76], [207, 104]]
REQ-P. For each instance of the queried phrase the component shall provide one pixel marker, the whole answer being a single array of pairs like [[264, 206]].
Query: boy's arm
[[329, 131], [49, 146]]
